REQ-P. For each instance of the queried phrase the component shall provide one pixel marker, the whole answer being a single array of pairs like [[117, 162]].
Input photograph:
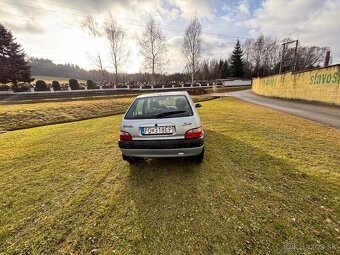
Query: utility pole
[[292, 64], [327, 57], [282, 57], [295, 55]]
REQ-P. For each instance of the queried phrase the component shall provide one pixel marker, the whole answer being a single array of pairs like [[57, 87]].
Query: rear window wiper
[[163, 114]]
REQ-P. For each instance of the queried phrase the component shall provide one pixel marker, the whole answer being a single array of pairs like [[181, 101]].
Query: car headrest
[[181, 103], [154, 104]]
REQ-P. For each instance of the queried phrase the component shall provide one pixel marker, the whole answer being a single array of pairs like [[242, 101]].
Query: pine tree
[[236, 61], [225, 70], [220, 68], [13, 64]]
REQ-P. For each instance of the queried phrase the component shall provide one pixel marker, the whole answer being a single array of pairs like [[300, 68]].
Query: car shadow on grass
[[240, 199], [185, 164]]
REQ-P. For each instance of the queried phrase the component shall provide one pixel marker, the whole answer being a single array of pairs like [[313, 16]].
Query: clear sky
[[52, 28]]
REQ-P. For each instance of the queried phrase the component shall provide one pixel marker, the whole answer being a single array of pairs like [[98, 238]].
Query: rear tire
[[199, 158]]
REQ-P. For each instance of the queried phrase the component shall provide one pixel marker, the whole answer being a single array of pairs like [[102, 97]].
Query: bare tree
[[261, 55], [270, 55], [264, 55], [213, 69], [258, 53], [115, 36], [192, 46], [247, 48], [310, 56], [91, 27], [204, 69], [153, 47]]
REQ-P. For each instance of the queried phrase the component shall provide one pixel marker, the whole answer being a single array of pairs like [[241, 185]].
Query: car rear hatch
[[159, 129]]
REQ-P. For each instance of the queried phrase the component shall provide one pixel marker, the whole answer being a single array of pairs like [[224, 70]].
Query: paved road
[[329, 115]]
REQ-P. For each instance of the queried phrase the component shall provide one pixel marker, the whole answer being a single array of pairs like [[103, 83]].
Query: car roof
[[172, 93]]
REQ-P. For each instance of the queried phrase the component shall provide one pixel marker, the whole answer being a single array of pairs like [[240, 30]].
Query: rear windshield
[[159, 107]]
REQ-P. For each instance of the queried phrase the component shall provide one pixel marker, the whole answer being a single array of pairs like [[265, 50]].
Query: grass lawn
[[25, 115], [269, 184]]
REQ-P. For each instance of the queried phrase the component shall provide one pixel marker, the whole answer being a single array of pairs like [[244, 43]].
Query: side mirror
[[198, 105]]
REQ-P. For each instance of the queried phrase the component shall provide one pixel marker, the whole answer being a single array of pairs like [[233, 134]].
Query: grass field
[[269, 184], [25, 115], [49, 79]]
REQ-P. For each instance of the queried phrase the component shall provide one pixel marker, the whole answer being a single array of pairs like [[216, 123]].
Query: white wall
[[237, 83]]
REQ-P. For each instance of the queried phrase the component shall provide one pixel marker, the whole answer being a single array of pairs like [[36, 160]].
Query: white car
[[162, 125]]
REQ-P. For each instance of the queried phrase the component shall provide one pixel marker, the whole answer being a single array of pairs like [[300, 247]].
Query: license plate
[[157, 130]]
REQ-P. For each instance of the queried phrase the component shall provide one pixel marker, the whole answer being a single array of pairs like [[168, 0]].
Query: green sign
[[270, 82], [325, 79]]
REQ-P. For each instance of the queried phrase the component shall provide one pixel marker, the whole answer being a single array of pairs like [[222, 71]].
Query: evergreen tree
[[220, 69], [225, 70], [13, 64], [236, 61]]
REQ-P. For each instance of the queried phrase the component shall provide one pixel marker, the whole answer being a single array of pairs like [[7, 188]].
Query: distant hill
[[49, 79], [60, 72], [46, 68]]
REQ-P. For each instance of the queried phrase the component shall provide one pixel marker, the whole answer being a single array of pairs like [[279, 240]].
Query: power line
[[63, 6], [39, 8], [176, 29]]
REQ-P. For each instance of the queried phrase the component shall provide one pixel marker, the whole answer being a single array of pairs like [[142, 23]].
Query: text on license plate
[[157, 130]]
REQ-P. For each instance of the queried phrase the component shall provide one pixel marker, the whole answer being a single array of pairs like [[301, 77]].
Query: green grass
[[26, 115], [269, 180]]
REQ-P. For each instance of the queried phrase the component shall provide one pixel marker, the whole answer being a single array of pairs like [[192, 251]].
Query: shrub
[[21, 87], [74, 84], [91, 85], [41, 86], [56, 85], [107, 86], [64, 86], [4, 87]]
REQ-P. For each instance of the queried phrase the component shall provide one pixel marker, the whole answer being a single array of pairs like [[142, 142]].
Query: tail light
[[125, 136], [194, 133]]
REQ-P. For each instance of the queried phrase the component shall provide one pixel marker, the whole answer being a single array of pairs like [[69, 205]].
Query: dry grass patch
[[26, 115], [269, 184]]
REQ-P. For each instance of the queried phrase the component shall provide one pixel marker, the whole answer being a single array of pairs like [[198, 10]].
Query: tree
[[153, 47], [115, 35], [309, 57], [56, 85], [90, 26], [225, 72], [220, 67], [236, 61], [192, 46], [213, 69], [13, 64], [258, 54], [204, 70], [247, 48], [41, 86], [74, 84]]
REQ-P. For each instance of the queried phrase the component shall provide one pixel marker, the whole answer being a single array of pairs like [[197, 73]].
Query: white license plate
[[157, 130]]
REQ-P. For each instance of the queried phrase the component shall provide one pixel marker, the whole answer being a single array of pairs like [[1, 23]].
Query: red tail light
[[125, 136], [194, 133]]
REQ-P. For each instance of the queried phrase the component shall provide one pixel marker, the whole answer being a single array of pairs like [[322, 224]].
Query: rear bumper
[[162, 148]]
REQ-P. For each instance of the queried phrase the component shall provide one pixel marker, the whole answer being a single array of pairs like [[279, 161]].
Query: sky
[[52, 28]]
